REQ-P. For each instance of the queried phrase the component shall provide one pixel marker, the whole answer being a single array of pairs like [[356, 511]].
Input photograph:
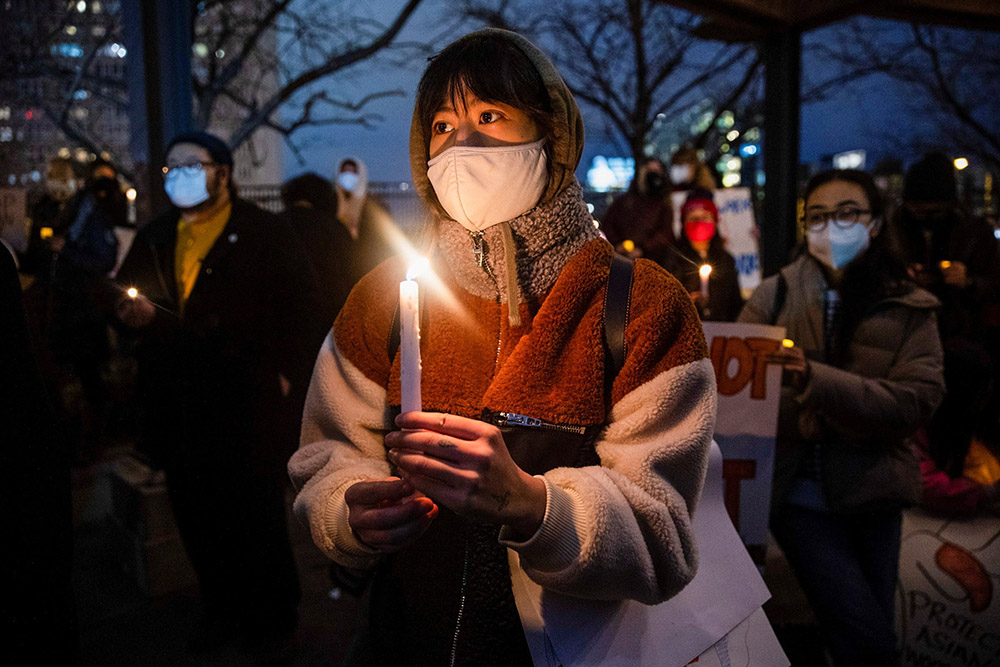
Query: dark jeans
[[847, 566]]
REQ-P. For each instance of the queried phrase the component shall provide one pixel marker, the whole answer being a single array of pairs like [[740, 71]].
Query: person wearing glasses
[[220, 295], [864, 373]]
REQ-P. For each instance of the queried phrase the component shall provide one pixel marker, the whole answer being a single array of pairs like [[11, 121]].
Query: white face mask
[[186, 190], [681, 173], [348, 180], [836, 247], [480, 186]]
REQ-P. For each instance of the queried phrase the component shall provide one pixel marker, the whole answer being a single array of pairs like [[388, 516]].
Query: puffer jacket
[[622, 468], [860, 414]]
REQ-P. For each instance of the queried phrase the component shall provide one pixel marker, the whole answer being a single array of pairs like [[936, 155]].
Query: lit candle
[[409, 333], [132, 292], [705, 271], [787, 342], [628, 245], [945, 264]]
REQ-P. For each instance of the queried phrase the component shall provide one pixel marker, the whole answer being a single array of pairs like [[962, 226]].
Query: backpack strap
[[779, 298], [617, 301]]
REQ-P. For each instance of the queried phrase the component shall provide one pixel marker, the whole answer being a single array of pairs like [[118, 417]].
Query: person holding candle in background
[[521, 443], [221, 298], [701, 262], [863, 373], [639, 223]]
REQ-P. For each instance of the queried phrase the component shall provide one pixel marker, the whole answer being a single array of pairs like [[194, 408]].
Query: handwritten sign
[[948, 611], [746, 426], [738, 229]]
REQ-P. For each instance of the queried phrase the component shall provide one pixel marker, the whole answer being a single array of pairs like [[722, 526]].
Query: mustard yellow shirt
[[194, 240]]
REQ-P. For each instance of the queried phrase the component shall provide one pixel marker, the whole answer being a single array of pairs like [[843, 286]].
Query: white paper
[[726, 590], [750, 644]]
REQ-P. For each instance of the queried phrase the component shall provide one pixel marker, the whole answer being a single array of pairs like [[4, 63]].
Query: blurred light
[[945, 264], [81, 94], [724, 148], [734, 164], [705, 270], [417, 267], [787, 342], [36, 176], [12, 179], [730, 180], [71, 30], [590, 208], [64, 153], [29, 114], [996, 233], [746, 150], [44, 232], [732, 135], [220, 54], [130, 194], [80, 154], [132, 292], [404, 186], [6, 134], [95, 7], [81, 6], [628, 245], [961, 163], [850, 160], [4, 113], [200, 49]]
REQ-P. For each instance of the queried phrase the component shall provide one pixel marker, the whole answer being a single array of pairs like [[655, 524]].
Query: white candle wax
[[705, 271], [409, 333]]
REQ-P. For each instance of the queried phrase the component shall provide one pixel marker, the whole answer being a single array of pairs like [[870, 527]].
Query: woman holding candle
[[594, 492], [701, 263], [864, 372]]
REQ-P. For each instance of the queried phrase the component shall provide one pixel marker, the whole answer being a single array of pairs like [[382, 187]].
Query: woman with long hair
[[864, 373]]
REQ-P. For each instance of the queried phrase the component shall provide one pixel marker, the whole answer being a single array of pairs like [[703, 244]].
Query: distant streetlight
[[961, 163]]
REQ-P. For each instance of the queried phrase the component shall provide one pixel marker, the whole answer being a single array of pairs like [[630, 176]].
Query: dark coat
[[209, 381], [724, 298]]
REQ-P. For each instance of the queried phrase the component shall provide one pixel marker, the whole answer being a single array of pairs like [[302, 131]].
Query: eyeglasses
[[189, 169], [843, 217]]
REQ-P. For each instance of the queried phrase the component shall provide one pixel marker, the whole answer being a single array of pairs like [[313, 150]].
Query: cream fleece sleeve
[[343, 426], [622, 530]]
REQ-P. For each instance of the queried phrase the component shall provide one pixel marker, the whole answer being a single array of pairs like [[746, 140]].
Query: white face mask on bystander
[[836, 245], [186, 190], [481, 186]]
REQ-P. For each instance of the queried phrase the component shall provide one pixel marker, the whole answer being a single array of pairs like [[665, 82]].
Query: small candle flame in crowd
[[945, 264], [705, 271], [787, 342], [628, 245], [132, 292]]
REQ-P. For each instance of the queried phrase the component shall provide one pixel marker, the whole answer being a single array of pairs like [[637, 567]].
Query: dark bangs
[[493, 69]]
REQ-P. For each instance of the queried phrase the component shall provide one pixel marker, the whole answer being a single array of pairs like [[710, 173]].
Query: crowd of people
[[568, 398]]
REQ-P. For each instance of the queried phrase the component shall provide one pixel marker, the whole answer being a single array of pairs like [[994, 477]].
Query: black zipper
[[515, 419]]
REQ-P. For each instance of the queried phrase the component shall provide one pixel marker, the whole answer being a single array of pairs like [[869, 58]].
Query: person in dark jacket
[[864, 373], [639, 222], [71, 249], [699, 246], [219, 293]]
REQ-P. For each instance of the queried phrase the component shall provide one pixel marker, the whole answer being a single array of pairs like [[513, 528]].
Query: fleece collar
[[546, 238]]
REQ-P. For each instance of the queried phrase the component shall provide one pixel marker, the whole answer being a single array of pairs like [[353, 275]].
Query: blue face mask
[[836, 247], [186, 190], [348, 180]]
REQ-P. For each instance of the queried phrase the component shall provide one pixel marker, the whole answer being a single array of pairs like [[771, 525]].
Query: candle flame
[[132, 292], [945, 264], [705, 270], [787, 342], [417, 267], [628, 245], [45, 232]]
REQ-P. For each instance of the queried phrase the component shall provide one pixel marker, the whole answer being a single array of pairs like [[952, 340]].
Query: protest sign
[[746, 425], [737, 228], [947, 611]]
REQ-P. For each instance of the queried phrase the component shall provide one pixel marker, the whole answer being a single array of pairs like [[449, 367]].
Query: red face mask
[[699, 230]]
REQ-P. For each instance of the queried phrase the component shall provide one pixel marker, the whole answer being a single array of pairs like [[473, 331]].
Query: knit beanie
[[700, 199], [215, 146], [932, 178]]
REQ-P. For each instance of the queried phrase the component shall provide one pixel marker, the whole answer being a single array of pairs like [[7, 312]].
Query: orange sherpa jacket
[[614, 531]]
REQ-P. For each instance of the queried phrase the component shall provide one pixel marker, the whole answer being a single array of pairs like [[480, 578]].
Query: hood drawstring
[[510, 261]]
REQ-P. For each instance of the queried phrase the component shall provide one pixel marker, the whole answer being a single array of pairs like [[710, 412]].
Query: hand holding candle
[[409, 332]]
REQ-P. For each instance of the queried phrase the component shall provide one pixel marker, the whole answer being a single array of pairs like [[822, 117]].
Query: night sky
[[837, 123]]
